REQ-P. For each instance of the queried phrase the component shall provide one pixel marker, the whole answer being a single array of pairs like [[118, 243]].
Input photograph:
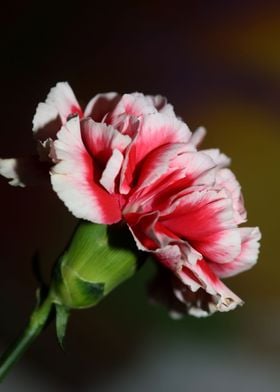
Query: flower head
[[130, 158]]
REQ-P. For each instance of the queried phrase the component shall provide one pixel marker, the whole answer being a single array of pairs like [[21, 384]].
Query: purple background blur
[[218, 62]]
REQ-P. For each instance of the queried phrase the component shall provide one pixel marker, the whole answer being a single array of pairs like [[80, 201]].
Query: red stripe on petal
[[205, 220], [73, 178]]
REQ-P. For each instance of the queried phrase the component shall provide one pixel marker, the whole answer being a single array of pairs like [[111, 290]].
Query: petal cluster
[[130, 158]]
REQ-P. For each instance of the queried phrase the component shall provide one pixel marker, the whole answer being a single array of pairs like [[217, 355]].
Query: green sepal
[[38, 297], [62, 316], [98, 259]]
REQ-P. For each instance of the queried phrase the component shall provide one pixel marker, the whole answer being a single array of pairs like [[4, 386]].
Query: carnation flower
[[128, 158], [128, 163]]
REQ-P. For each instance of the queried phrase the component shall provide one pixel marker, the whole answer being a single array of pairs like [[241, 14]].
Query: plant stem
[[36, 323]]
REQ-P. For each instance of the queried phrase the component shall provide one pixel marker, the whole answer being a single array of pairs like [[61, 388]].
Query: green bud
[[98, 259]]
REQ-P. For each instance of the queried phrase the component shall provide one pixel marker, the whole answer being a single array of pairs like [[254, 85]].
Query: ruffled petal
[[73, 179], [205, 219], [161, 105], [220, 159], [105, 145], [100, 105], [196, 303], [247, 258], [155, 130], [101, 139], [226, 179], [178, 157], [172, 257], [9, 169], [135, 104], [111, 171], [196, 286], [170, 291], [27, 171], [223, 298], [51, 114], [169, 170], [142, 227], [198, 136]]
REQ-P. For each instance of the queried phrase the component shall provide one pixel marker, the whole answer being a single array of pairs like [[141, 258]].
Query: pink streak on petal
[[73, 179], [101, 139], [205, 219], [155, 130]]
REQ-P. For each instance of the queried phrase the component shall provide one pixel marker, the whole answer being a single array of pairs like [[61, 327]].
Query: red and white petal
[[154, 131], [168, 110], [218, 157], [73, 179], [63, 99], [159, 129], [135, 104], [111, 171], [227, 180], [160, 103], [205, 219], [143, 230], [199, 289], [101, 139], [169, 171], [61, 102], [189, 253], [198, 136], [174, 158], [26, 171], [198, 303], [224, 298], [161, 162], [247, 258], [100, 105], [197, 168], [171, 257], [46, 122]]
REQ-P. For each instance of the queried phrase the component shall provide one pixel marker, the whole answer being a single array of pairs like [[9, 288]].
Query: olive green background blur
[[218, 63]]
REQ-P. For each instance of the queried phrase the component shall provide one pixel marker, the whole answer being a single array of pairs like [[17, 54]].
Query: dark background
[[218, 62]]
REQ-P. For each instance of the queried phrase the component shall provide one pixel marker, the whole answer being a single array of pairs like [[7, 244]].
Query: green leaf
[[62, 316]]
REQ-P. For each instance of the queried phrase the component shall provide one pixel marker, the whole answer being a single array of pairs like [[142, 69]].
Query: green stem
[[36, 323]]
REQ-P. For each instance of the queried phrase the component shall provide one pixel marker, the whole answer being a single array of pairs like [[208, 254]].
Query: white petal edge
[[59, 102], [8, 170]]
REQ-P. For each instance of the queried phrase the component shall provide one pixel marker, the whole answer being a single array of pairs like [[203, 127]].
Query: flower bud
[[98, 259]]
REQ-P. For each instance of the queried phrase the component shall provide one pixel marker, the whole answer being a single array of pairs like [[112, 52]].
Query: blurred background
[[218, 62]]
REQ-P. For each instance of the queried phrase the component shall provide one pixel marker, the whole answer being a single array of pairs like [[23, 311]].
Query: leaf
[[62, 316]]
